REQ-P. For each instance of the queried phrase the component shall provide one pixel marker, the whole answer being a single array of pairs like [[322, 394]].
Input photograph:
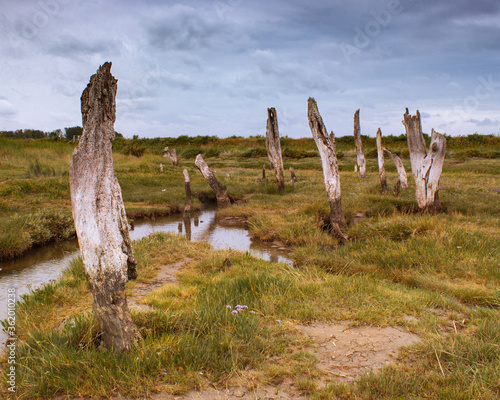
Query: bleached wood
[[187, 186], [380, 156], [426, 167], [219, 189], [360, 157], [402, 182], [171, 154], [99, 214], [328, 154], [273, 147], [292, 175]]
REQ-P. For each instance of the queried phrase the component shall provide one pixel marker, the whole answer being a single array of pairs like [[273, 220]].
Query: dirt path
[[344, 353], [167, 274]]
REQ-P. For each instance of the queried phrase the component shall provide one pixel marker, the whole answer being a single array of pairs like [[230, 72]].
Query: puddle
[[41, 265]]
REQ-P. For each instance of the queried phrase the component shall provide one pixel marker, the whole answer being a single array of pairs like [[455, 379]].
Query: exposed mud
[[344, 353]]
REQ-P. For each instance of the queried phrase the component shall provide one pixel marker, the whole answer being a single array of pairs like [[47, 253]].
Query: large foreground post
[[99, 214], [360, 157], [327, 151], [273, 148], [425, 167], [219, 189]]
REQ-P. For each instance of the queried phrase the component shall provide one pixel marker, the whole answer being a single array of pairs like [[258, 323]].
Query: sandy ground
[[344, 353]]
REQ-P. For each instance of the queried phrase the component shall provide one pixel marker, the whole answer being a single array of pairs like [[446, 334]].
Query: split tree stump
[[328, 154], [425, 167], [99, 214], [171, 154]]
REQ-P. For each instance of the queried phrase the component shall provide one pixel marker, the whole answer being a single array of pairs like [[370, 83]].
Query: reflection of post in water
[[259, 247], [212, 226], [273, 256], [196, 221], [187, 225]]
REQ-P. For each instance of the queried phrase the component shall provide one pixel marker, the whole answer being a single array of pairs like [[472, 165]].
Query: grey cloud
[[485, 122], [70, 46], [184, 28]]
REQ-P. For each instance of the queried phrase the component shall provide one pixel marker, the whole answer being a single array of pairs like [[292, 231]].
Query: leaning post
[[219, 189], [328, 154]]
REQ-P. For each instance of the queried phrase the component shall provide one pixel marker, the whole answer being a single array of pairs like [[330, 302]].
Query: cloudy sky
[[214, 67]]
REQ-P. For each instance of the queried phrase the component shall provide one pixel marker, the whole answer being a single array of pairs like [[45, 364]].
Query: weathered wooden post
[[273, 147], [328, 154], [360, 157], [402, 182], [264, 173], [187, 185], [425, 167], [381, 167], [99, 214], [219, 189], [292, 175], [171, 155]]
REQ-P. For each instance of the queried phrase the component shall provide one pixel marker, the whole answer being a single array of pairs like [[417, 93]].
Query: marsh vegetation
[[435, 275]]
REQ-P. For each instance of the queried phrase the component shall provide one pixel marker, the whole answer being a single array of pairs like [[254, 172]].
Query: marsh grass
[[436, 275]]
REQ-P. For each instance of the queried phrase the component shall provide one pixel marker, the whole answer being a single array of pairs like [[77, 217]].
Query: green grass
[[422, 272]]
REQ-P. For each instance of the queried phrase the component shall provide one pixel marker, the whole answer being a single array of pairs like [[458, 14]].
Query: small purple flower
[[278, 321], [229, 306], [234, 312]]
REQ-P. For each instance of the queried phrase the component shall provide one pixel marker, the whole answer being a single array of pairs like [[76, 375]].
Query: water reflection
[[41, 265]]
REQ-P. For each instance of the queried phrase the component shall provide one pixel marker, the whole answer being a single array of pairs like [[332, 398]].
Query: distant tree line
[[68, 133]]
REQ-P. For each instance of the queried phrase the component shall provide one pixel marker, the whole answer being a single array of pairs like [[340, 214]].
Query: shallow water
[[41, 265]]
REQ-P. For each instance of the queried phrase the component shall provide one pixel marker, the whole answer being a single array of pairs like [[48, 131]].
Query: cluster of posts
[[99, 213]]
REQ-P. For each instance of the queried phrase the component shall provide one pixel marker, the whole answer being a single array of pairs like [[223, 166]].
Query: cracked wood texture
[[328, 154], [273, 147], [381, 166], [219, 189], [360, 157], [426, 167], [99, 214]]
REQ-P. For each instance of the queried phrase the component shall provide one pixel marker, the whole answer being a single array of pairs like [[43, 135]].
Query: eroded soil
[[344, 353]]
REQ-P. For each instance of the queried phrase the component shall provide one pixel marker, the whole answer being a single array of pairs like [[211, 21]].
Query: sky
[[203, 67]]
